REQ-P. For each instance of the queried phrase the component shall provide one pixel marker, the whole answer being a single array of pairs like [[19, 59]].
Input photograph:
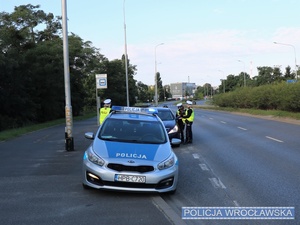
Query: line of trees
[[269, 90], [266, 75], [32, 72]]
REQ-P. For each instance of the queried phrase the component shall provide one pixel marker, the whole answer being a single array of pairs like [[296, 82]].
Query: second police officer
[[179, 113], [188, 119]]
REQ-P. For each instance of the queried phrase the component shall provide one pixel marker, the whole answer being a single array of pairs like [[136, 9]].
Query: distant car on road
[[131, 151]]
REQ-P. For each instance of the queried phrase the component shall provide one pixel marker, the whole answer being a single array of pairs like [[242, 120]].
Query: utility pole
[[69, 142]]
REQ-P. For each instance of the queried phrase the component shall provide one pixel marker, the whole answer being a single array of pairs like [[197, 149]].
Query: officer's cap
[[107, 101], [189, 103], [179, 104]]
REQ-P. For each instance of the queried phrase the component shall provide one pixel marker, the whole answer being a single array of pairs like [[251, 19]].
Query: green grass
[[12, 133]]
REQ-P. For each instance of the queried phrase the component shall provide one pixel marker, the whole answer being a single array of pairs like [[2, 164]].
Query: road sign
[[101, 81], [291, 81]]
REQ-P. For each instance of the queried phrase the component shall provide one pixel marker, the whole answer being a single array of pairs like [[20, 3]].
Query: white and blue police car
[[131, 151]]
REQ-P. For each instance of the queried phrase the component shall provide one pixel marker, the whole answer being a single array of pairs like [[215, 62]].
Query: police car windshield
[[133, 131]]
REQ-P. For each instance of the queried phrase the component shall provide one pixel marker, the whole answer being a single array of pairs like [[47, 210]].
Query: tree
[[265, 75], [160, 88], [288, 73], [116, 82], [144, 94], [18, 43], [199, 93], [32, 71]]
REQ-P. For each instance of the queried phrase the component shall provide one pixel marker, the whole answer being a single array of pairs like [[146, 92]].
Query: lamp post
[[294, 53], [69, 141], [155, 75], [244, 72], [126, 67]]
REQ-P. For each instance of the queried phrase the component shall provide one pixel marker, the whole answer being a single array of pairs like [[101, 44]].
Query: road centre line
[[204, 167], [242, 128], [217, 183], [223, 122], [274, 139], [196, 156]]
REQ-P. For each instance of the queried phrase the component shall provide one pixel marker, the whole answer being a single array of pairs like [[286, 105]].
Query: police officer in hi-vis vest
[[188, 119], [105, 110], [179, 113]]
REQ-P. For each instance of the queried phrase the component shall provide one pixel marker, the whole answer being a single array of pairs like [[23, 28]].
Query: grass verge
[[12, 133]]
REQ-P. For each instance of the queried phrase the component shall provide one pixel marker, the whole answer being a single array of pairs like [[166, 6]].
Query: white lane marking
[[196, 156], [223, 122], [242, 128], [236, 203], [211, 118], [217, 183], [274, 139], [204, 167]]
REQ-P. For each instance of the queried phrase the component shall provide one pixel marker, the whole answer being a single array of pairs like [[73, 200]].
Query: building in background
[[182, 90]]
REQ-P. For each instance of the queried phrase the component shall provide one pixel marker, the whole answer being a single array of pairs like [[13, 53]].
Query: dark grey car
[[169, 120]]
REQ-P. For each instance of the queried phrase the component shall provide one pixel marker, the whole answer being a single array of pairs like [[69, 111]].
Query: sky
[[196, 41]]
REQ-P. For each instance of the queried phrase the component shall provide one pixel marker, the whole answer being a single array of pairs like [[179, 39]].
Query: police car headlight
[[166, 164], [91, 156], [174, 130]]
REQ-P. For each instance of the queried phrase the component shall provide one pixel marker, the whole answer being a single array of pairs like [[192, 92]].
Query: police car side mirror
[[89, 135]]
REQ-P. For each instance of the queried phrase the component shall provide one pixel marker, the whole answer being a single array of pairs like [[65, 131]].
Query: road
[[234, 161], [40, 183], [240, 161]]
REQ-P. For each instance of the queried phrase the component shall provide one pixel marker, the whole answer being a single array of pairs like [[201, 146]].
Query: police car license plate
[[130, 178]]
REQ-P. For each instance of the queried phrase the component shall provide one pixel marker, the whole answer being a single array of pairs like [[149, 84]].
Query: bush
[[282, 96], [290, 97]]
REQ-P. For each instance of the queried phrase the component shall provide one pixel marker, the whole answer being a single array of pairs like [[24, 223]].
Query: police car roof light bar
[[134, 109]]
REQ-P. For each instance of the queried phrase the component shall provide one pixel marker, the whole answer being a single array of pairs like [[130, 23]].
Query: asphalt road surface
[[239, 161], [40, 183], [234, 161]]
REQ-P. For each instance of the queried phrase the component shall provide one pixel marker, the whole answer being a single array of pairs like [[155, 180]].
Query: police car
[[131, 151]]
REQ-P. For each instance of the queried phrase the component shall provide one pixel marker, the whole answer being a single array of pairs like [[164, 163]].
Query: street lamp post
[[155, 75], [244, 72], [294, 53], [69, 141], [126, 66]]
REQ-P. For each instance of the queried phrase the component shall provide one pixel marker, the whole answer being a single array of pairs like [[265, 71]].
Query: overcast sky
[[204, 40]]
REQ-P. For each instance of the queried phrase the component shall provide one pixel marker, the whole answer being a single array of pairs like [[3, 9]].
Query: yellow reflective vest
[[191, 118], [103, 114]]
